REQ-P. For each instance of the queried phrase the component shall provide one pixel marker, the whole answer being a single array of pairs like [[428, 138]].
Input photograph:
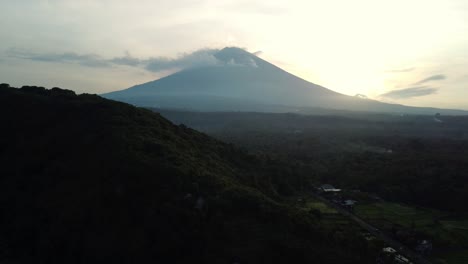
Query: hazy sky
[[413, 52]]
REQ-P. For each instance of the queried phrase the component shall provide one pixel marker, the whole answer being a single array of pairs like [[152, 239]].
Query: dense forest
[[88, 180], [420, 160]]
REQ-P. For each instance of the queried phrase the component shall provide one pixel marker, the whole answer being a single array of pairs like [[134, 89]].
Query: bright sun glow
[[353, 46]]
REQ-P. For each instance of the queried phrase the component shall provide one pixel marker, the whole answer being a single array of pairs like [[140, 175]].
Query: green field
[[328, 215], [323, 208], [449, 233], [389, 213]]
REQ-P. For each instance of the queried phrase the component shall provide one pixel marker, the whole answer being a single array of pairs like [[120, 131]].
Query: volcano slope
[[242, 82]]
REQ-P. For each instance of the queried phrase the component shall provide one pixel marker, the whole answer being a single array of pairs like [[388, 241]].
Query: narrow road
[[402, 249]]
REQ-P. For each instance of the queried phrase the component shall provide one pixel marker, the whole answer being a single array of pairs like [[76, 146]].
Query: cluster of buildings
[[388, 255], [335, 195]]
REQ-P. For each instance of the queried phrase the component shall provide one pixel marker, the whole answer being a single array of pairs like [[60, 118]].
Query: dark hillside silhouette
[[88, 180]]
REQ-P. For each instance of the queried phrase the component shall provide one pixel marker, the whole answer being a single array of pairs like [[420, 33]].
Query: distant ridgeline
[[86, 180]]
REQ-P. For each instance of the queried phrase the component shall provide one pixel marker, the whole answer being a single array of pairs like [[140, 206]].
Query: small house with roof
[[329, 188]]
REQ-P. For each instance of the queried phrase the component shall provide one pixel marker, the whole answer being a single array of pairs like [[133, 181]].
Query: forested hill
[[86, 180]]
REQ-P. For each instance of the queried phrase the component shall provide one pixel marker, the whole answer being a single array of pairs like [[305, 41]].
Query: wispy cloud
[[199, 58], [128, 60], [252, 7], [410, 92], [90, 60], [401, 70], [258, 53], [436, 77]]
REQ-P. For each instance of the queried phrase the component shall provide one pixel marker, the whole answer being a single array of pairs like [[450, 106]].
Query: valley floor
[[446, 231]]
